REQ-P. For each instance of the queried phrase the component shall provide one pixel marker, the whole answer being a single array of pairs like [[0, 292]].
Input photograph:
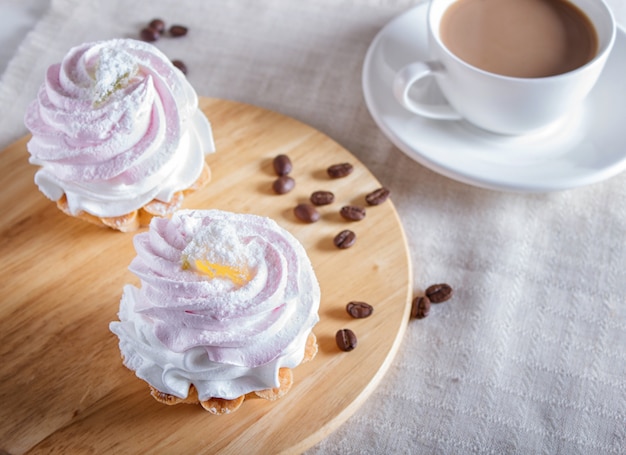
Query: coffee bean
[[352, 212], [180, 65], [438, 293], [149, 34], [377, 197], [420, 307], [359, 310], [282, 165], [345, 239], [157, 24], [322, 197], [346, 340], [283, 184], [339, 170], [306, 213], [178, 30]]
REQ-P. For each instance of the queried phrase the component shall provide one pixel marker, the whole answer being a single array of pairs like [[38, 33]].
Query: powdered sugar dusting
[[114, 69], [218, 243]]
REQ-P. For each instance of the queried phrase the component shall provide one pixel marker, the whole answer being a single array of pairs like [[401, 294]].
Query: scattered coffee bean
[[149, 34], [377, 197], [282, 165], [178, 30], [322, 197], [352, 212], [283, 184], [438, 293], [359, 310], [420, 307], [180, 65], [157, 24], [345, 239], [306, 213], [339, 170], [346, 340]]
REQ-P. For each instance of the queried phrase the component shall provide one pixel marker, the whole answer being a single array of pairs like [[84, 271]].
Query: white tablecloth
[[530, 355]]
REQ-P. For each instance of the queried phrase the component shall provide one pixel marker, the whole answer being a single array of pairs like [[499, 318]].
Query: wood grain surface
[[63, 388]]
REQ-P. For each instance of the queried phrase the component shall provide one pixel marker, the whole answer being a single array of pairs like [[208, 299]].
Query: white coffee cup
[[502, 104]]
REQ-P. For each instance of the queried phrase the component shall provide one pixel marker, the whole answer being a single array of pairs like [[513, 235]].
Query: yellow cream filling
[[238, 275]]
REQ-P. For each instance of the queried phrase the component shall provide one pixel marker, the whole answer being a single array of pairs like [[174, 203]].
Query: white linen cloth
[[530, 355]]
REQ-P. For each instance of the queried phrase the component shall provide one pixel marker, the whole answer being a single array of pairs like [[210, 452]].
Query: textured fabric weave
[[530, 355]]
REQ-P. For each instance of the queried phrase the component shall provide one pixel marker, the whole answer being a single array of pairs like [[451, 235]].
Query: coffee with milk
[[519, 38]]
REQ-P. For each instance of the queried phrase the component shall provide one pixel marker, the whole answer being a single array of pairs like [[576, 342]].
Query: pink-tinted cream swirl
[[226, 300], [114, 126]]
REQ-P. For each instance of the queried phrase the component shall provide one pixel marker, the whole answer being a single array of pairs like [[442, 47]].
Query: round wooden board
[[63, 387]]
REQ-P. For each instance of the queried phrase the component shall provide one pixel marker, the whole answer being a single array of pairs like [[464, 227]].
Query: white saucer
[[586, 147]]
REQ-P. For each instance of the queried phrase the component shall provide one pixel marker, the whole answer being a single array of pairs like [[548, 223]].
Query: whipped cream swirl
[[226, 300], [114, 126]]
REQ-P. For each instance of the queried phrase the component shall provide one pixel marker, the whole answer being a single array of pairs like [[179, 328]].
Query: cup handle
[[409, 75]]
